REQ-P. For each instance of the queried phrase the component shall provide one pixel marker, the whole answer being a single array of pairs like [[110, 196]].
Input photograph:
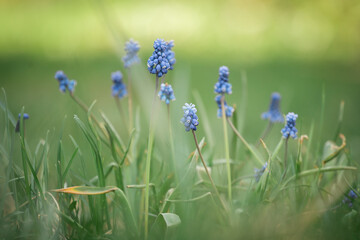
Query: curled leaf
[[86, 190]]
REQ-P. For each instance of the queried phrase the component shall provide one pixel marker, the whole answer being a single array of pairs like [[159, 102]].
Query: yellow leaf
[[86, 190]]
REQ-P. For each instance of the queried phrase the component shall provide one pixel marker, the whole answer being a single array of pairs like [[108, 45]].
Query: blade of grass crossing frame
[[80, 155], [23, 157], [99, 167], [26, 160], [69, 163], [322, 113], [113, 131], [340, 120], [243, 103], [310, 145]]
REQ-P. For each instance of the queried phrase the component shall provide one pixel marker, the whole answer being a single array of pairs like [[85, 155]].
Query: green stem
[[257, 157], [130, 101], [121, 111], [265, 133], [172, 145], [285, 157], [227, 154], [148, 159], [207, 171], [128, 215]]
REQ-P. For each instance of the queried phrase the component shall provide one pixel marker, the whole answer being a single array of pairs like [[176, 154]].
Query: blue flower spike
[[350, 198], [64, 82], [223, 86], [158, 62], [290, 130], [228, 109], [166, 93], [274, 114], [190, 119], [118, 88], [131, 49], [260, 172]]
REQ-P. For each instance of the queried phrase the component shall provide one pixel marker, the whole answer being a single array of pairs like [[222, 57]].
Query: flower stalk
[[227, 154], [148, 158], [207, 171]]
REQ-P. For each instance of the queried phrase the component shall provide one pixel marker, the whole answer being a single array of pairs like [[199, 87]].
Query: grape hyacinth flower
[[118, 88], [131, 57], [64, 82], [350, 198], [223, 86], [158, 62], [190, 119], [289, 130], [260, 172], [166, 93], [25, 116], [228, 109], [170, 55], [274, 114]]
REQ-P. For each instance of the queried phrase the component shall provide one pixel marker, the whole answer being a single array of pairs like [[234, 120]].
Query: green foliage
[[107, 173]]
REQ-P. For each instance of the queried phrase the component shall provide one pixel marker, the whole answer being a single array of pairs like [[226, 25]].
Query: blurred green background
[[297, 48]]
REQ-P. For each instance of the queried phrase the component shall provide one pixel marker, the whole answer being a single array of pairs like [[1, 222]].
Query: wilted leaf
[[86, 190]]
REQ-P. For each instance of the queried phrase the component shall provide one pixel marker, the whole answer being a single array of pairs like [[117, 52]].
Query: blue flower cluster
[[170, 55], [260, 172], [190, 119], [223, 86], [274, 114], [118, 88], [289, 130], [131, 57], [25, 116], [162, 58], [64, 82], [350, 198], [166, 93], [228, 109]]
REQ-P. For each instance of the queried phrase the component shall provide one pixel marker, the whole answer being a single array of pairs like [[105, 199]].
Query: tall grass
[[139, 191]]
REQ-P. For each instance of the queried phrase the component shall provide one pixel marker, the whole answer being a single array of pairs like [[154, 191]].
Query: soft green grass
[[95, 150]]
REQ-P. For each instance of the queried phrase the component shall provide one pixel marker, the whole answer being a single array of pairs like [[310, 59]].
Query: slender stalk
[[130, 103], [207, 171], [227, 154], [340, 120], [265, 133], [121, 111], [148, 158], [172, 145], [86, 109], [258, 158], [285, 157]]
